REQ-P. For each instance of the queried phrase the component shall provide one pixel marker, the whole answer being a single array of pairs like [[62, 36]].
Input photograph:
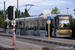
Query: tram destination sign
[[63, 17], [47, 13]]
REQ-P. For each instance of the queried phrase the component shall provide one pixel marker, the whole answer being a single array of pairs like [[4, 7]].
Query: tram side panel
[[42, 32]]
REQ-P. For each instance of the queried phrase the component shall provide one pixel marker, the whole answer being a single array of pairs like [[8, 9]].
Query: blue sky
[[41, 5]]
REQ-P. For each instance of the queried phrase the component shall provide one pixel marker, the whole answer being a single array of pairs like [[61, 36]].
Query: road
[[30, 43]]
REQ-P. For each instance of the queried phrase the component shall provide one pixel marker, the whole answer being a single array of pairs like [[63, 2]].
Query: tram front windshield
[[64, 23]]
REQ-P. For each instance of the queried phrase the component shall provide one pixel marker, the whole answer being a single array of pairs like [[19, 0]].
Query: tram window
[[64, 24], [32, 27], [29, 25], [11, 26], [5, 25], [42, 25], [26, 25], [35, 25], [21, 26], [16, 26]]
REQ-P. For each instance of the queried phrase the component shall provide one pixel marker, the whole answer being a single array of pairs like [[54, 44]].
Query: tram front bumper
[[63, 35]]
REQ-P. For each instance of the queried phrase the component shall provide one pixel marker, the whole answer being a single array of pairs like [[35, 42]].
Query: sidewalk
[[58, 41]]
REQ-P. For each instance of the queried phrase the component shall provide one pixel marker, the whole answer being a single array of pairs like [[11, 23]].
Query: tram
[[37, 26]]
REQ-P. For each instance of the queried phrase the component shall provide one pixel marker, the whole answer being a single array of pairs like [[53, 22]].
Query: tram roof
[[37, 16], [34, 17], [63, 14]]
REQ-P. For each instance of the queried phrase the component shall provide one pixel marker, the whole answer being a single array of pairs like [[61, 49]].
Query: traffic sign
[[49, 17], [47, 13]]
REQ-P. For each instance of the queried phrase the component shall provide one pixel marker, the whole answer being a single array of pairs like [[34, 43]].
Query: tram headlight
[[57, 30], [70, 30]]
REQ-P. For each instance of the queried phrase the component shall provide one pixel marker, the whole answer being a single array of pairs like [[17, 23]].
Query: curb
[[2, 48], [51, 42]]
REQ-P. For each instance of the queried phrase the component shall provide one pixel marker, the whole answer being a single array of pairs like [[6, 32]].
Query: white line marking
[[6, 45], [25, 43]]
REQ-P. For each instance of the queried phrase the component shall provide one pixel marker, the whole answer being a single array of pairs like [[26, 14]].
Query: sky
[[41, 5]]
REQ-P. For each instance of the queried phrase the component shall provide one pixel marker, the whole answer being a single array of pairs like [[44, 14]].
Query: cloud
[[35, 2], [53, 2], [28, 1], [1, 5], [40, 5]]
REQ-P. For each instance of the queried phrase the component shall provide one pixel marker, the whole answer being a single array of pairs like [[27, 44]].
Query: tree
[[1, 12], [26, 10], [1, 22], [19, 13], [16, 13], [26, 14], [71, 16], [55, 11], [41, 14], [22, 13]]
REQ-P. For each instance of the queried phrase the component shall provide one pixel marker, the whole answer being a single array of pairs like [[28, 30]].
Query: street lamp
[[67, 10]]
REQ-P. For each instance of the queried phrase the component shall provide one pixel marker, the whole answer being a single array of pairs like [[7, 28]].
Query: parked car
[[1, 30]]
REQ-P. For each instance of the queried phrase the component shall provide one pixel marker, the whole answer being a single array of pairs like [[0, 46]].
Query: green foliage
[[19, 13], [71, 16], [41, 14], [16, 14], [73, 28], [55, 11], [1, 22], [25, 14], [1, 12], [74, 21], [73, 24], [26, 10], [22, 13], [1, 19]]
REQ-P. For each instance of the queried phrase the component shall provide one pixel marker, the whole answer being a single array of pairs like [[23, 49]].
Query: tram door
[[22, 28]]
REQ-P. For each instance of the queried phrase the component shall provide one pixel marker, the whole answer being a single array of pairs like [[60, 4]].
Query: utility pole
[[4, 10], [17, 8], [67, 10], [17, 14]]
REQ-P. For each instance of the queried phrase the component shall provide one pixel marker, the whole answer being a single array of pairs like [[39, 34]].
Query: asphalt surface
[[56, 41], [30, 43]]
